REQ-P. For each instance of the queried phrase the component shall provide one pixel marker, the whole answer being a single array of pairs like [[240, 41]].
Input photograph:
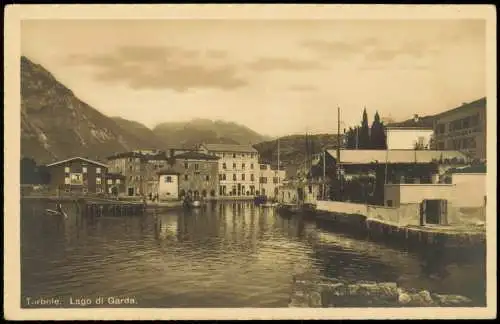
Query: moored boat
[[269, 205]]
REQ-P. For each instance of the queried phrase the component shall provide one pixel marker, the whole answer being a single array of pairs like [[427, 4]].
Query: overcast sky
[[274, 76]]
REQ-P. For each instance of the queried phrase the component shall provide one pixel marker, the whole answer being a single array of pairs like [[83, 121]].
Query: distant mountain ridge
[[199, 130], [55, 124]]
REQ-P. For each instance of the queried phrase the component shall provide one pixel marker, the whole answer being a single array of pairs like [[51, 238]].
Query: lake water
[[230, 255]]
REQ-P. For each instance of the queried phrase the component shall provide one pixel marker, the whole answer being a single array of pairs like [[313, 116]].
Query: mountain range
[[55, 124]]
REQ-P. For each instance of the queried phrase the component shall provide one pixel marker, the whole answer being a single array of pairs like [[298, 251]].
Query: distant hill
[[196, 131], [141, 132], [293, 148], [55, 124]]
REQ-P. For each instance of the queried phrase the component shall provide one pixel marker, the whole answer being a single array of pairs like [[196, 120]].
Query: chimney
[[415, 118]]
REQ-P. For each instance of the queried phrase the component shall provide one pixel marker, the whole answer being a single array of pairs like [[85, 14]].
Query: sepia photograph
[[250, 162]]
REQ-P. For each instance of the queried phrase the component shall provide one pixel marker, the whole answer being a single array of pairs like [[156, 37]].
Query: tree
[[377, 135], [28, 171], [43, 174], [364, 132]]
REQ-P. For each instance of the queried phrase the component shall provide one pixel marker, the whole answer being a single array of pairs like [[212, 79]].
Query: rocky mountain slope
[[55, 124]]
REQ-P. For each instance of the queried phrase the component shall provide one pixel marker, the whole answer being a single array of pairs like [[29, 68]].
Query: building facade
[[115, 184], [78, 175], [140, 170], [168, 184], [198, 175], [270, 180], [408, 138], [463, 129], [238, 169]]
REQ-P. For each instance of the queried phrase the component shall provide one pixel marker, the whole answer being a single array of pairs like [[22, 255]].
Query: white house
[[238, 168], [270, 180], [168, 184]]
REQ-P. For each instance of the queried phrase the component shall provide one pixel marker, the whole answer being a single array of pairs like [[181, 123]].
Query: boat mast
[[338, 150]]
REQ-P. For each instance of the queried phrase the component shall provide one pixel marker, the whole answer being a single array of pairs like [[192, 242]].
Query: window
[[252, 177], [234, 165], [223, 177], [98, 170], [234, 177], [263, 180], [220, 177], [243, 166], [76, 178], [234, 156], [207, 178], [67, 180], [275, 180], [84, 169], [310, 187], [66, 170], [186, 177], [251, 166], [243, 177], [98, 181], [196, 166], [263, 167], [117, 181], [224, 165], [186, 165], [168, 179], [110, 181]]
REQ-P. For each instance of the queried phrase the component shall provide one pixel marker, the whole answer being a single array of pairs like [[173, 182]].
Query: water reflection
[[224, 255]]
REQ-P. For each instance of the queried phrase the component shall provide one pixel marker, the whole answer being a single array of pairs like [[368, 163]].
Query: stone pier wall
[[336, 293]]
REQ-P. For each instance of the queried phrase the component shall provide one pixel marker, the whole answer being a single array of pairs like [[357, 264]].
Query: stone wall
[[407, 214], [337, 293]]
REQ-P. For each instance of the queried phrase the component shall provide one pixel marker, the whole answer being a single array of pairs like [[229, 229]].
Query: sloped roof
[[170, 170], [196, 156], [479, 103], [77, 158], [394, 156], [239, 148]]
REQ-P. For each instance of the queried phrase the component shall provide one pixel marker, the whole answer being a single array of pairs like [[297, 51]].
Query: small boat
[[196, 203], [55, 212], [269, 204], [259, 200], [289, 209]]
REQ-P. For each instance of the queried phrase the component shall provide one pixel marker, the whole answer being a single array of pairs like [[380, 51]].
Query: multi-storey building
[[78, 175], [270, 180], [192, 174], [139, 169], [463, 129], [238, 168], [115, 184]]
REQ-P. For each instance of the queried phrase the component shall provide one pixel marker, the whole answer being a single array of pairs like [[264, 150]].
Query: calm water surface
[[230, 255]]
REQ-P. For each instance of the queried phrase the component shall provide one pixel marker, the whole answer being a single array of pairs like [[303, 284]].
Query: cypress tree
[[364, 132], [377, 136]]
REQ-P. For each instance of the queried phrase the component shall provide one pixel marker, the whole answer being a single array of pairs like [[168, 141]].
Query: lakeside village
[[422, 182]]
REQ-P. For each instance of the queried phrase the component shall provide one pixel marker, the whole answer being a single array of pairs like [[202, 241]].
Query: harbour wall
[[401, 225]]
